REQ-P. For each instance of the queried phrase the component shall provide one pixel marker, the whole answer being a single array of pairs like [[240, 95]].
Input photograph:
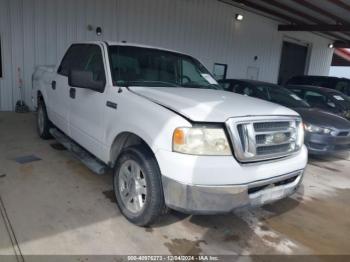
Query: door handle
[[53, 85], [72, 93]]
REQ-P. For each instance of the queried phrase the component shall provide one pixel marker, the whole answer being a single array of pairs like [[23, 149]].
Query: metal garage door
[[293, 61]]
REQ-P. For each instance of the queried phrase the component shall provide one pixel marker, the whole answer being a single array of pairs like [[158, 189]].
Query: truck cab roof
[[124, 43]]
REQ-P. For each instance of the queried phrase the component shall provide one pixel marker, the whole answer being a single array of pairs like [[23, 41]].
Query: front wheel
[[138, 187], [43, 122]]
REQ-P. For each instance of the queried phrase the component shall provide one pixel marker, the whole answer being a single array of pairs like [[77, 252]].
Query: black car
[[324, 132], [336, 83], [324, 98]]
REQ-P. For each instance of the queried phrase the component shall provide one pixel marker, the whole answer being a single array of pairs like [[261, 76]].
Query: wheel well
[[124, 140]]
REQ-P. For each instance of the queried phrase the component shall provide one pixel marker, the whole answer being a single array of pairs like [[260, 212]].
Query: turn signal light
[[179, 137]]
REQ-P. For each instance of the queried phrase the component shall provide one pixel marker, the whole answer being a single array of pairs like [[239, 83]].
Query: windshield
[[138, 66], [282, 96]]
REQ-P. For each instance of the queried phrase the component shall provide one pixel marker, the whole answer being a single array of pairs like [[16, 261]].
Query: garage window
[[0, 59], [220, 71]]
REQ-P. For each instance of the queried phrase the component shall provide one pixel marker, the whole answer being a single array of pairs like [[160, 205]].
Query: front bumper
[[326, 144], [201, 199]]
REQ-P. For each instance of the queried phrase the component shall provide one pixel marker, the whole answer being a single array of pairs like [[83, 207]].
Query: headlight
[[317, 129], [300, 134], [201, 141]]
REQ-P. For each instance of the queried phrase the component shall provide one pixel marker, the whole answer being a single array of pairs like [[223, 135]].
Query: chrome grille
[[263, 138], [264, 150], [270, 126]]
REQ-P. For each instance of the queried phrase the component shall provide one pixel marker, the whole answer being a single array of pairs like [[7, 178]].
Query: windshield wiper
[[195, 85], [148, 83]]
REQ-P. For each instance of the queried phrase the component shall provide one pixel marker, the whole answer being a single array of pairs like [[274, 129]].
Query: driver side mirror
[[85, 79]]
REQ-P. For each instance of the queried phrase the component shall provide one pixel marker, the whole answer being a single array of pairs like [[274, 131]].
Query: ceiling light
[[331, 45], [239, 17]]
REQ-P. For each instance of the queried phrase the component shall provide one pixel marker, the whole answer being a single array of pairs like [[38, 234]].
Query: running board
[[80, 153]]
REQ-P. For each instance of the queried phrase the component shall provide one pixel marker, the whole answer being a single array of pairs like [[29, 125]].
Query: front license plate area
[[271, 194]]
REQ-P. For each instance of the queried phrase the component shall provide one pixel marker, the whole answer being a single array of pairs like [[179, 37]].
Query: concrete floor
[[57, 206]]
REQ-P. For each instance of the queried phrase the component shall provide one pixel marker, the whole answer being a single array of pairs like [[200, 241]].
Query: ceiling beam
[[341, 4], [315, 28], [275, 13], [341, 44], [321, 11], [268, 11], [292, 10]]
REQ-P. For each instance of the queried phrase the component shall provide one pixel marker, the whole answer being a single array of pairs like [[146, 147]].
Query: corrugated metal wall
[[37, 32]]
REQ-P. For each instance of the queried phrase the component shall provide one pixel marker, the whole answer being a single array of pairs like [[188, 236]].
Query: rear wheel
[[43, 122], [138, 187]]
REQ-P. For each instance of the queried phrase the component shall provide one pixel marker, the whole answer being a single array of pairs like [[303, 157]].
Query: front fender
[[151, 122]]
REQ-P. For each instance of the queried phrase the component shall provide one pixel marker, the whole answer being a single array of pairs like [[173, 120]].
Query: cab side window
[[95, 64], [83, 57], [74, 59]]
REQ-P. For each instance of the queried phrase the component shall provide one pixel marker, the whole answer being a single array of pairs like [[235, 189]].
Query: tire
[[43, 122], [148, 186]]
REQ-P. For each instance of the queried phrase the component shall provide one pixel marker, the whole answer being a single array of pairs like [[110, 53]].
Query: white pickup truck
[[172, 137]]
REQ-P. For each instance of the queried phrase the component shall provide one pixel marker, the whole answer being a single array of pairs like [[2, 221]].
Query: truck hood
[[322, 118], [206, 105]]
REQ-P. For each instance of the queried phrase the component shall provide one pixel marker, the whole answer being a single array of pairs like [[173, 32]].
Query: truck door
[[59, 88], [86, 107]]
